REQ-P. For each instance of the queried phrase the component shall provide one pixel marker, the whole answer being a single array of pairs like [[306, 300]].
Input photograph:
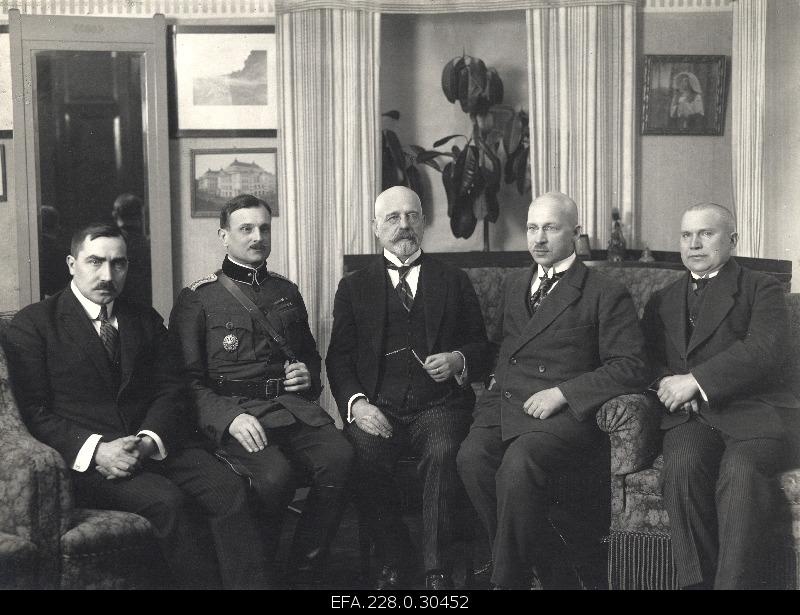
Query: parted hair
[[93, 231], [242, 201]]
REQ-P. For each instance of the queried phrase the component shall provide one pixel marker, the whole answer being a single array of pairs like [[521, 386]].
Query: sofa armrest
[[632, 424]]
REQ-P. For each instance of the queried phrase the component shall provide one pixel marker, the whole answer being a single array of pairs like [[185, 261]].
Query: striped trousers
[[718, 495]]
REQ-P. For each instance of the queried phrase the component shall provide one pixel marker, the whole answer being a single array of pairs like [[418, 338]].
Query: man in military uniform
[[254, 373]]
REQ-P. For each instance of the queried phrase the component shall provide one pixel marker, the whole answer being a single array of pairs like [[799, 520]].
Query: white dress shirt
[[83, 460], [708, 276], [559, 267]]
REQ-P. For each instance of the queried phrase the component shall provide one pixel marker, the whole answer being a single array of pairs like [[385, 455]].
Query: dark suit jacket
[[63, 383], [453, 321], [735, 352], [584, 338]]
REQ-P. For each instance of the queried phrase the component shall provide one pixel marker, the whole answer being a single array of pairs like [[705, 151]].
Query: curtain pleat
[[330, 152], [747, 122], [581, 72]]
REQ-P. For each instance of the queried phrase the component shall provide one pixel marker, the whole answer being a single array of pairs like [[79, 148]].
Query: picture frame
[[684, 95], [224, 81], [218, 175], [3, 182], [6, 107]]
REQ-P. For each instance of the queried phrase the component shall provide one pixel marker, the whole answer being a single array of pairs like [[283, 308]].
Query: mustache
[[260, 246], [106, 286], [405, 234]]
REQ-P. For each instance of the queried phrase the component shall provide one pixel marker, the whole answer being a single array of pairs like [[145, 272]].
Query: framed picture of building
[[225, 81], [684, 95], [218, 175]]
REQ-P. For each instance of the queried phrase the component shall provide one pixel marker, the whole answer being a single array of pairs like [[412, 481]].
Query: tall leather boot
[[315, 532]]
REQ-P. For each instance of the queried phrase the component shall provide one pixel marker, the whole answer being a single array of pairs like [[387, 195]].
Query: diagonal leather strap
[[256, 314]]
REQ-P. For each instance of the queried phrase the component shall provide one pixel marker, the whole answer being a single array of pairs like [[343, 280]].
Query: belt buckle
[[272, 387]]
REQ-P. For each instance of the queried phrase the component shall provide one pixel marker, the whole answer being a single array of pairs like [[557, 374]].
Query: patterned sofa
[[45, 541], [639, 548]]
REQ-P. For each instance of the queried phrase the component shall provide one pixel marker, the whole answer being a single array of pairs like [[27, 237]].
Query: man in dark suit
[[408, 336], [570, 341], [716, 338], [95, 379]]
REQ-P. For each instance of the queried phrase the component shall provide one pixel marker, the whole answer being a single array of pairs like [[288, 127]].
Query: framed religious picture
[[684, 95], [224, 81], [218, 175]]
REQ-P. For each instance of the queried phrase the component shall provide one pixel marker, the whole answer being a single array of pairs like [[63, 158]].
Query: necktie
[[402, 289], [700, 284], [108, 334], [545, 284]]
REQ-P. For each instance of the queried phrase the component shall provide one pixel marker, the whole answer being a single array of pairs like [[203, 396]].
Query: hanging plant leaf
[[470, 170], [415, 180], [393, 143], [391, 174], [443, 140], [522, 171], [493, 90], [450, 76], [462, 224], [394, 114], [449, 187], [512, 133]]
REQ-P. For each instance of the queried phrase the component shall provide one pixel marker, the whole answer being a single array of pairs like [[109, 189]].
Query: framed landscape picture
[[225, 81], [684, 95], [218, 175]]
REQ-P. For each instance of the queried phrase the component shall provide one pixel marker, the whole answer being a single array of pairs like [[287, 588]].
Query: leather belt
[[253, 389]]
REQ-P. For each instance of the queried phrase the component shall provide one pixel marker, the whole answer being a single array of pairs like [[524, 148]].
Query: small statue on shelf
[[647, 256], [616, 245]]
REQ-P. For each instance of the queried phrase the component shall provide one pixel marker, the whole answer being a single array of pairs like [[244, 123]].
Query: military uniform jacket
[[584, 338], [205, 314], [735, 351]]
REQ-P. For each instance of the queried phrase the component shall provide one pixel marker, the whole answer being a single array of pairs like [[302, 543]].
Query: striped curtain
[[328, 65], [581, 75], [747, 121]]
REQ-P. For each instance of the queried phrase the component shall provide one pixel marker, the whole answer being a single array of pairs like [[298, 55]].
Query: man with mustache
[[254, 374], [717, 339], [95, 377], [408, 337], [570, 342]]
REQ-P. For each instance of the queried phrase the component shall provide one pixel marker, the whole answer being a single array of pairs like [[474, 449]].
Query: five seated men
[[99, 378]]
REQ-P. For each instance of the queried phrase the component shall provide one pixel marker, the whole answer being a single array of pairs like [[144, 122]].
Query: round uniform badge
[[230, 343]]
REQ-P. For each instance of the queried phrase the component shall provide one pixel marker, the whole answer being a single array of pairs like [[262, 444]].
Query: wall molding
[[260, 9], [686, 6], [172, 9]]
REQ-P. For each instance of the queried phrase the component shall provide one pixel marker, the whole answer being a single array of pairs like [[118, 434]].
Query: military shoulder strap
[[256, 314]]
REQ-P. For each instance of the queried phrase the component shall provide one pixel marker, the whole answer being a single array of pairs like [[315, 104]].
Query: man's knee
[[471, 456], [520, 471], [336, 463]]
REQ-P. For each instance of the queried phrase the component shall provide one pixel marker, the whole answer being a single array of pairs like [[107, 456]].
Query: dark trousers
[[169, 493], [718, 496], [433, 435], [320, 454], [507, 482]]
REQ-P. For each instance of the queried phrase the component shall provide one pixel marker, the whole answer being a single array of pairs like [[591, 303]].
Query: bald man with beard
[[408, 336], [570, 342]]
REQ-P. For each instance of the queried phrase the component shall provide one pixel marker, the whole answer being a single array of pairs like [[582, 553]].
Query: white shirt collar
[[558, 267], [91, 308], [396, 261], [713, 274]]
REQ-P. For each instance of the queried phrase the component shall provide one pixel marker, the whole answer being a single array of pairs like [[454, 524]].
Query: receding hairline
[[561, 200], [395, 192], [725, 214]]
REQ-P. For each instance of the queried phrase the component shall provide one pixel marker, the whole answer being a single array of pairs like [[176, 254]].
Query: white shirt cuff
[[702, 392], [350, 403], [462, 377], [159, 455], [83, 460]]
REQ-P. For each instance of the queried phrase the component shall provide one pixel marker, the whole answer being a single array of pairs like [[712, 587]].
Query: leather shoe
[[388, 579], [438, 580]]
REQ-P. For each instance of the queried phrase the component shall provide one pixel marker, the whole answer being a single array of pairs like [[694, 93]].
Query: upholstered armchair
[[640, 551], [45, 541]]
